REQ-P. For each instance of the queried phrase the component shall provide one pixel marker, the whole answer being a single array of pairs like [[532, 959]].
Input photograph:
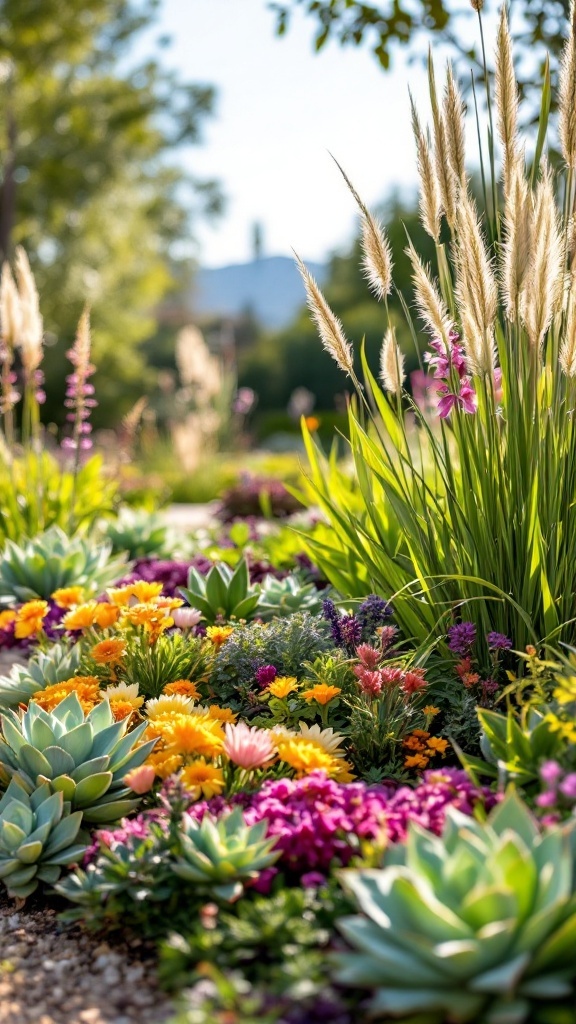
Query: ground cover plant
[[335, 785]]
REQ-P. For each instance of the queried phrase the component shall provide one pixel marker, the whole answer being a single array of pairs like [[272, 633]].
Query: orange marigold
[[322, 693], [282, 686], [222, 714], [190, 734], [183, 686], [29, 618], [106, 615], [109, 652], [416, 761], [81, 617], [164, 764], [86, 687], [436, 745], [7, 618], [219, 634], [67, 597]]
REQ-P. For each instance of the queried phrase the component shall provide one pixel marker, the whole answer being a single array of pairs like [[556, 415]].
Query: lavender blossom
[[461, 638], [498, 642], [372, 614], [79, 393]]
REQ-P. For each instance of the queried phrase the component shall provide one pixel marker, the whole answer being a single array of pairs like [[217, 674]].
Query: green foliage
[[223, 594], [43, 669], [38, 837], [38, 493], [284, 643], [140, 534], [475, 926], [221, 855], [517, 748], [83, 757], [52, 560], [170, 658], [85, 130], [286, 596]]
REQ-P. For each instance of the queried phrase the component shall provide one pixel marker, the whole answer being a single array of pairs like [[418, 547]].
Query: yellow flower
[[321, 693], [144, 591], [202, 779], [184, 687], [123, 698], [175, 703], [67, 597], [325, 738], [566, 730], [6, 619], [191, 735], [219, 634], [164, 764], [282, 686], [119, 596], [148, 615], [81, 617], [224, 715], [109, 652], [105, 614], [430, 711], [29, 618], [305, 756], [87, 688]]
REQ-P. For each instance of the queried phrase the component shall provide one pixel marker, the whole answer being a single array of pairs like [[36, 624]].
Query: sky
[[281, 110]]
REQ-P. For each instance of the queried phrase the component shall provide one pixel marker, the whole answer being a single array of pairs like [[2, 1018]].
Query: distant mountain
[[270, 287]]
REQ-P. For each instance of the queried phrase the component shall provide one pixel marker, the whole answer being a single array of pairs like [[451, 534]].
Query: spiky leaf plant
[[38, 836], [38, 567], [141, 534], [85, 757], [482, 495], [475, 926], [222, 594], [223, 854], [287, 596], [44, 669]]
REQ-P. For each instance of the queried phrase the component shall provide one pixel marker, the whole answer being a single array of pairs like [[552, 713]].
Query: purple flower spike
[[498, 642], [461, 638]]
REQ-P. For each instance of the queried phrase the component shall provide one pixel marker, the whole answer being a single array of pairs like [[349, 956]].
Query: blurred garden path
[[191, 517]]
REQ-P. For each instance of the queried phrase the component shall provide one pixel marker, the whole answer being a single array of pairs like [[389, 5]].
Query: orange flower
[[144, 591], [420, 733], [321, 693], [164, 764], [430, 711], [29, 618], [6, 619], [87, 688], [282, 686], [67, 597], [436, 745], [109, 652], [149, 616], [81, 617], [219, 634], [106, 614], [122, 708], [221, 714], [203, 779], [183, 686], [193, 735], [416, 761], [312, 422], [413, 743], [119, 596]]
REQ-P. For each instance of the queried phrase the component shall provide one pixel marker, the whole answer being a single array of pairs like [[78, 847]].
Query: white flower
[[175, 702], [127, 690], [328, 739]]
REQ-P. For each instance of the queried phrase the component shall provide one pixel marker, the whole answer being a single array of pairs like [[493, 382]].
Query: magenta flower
[[465, 399], [248, 747]]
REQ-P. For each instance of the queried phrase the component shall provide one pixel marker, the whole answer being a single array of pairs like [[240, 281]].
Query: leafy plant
[[474, 926], [220, 855], [53, 560], [222, 594], [44, 669], [152, 666], [515, 749], [83, 757], [38, 836], [140, 534], [286, 596], [476, 506]]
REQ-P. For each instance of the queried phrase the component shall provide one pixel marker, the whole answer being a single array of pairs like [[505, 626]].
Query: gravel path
[[52, 973]]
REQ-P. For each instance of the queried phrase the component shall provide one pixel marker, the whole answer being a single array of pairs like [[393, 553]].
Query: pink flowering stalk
[[248, 747], [79, 393], [449, 366]]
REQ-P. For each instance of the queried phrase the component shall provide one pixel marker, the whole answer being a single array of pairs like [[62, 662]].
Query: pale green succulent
[[475, 926], [85, 757], [141, 534], [287, 596], [225, 853], [223, 593], [44, 669], [37, 838], [38, 567]]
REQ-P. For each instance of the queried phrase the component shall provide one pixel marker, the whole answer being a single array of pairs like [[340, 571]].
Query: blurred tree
[[540, 27], [294, 357], [85, 185]]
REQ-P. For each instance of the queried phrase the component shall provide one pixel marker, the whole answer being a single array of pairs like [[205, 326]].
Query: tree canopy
[[87, 186]]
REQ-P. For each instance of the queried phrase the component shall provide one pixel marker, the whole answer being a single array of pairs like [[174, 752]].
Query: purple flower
[[550, 773], [464, 399], [351, 632], [498, 642], [461, 638], [266, 675], [372, 614], [568, 786]]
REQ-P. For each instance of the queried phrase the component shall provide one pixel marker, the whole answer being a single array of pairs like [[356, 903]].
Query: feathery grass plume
[[454, 121], [431, 306], [31, 327], [329, 326], [567, 356], [10, 315], [544, 281], [430, 209], [476, 289], [506, 98], [567, 94], [477, 5], [391, 363], [447, 181], [376, 254], [516, 247]]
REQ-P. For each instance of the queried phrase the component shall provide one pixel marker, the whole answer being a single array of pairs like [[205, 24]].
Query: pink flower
[[370, 682], [186, 618], [141, 779], [448, 400], [247, 746], [414, 681], [369, 656], [391, 676]]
